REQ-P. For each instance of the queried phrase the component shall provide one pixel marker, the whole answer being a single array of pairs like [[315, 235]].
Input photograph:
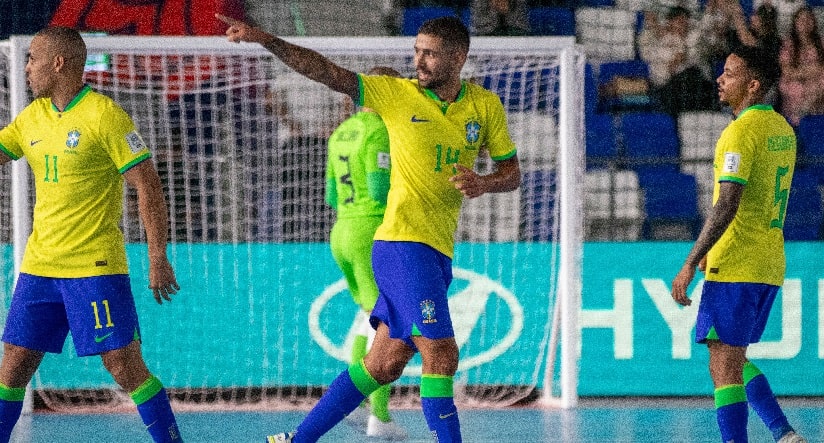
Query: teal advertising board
[[285, 305]]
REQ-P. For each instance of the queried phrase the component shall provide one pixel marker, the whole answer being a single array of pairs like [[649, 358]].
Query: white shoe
[[359, 417], [792, 437], [285, 437], [387, 431]]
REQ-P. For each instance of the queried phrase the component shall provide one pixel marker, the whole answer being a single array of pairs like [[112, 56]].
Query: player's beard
[[431, 81]]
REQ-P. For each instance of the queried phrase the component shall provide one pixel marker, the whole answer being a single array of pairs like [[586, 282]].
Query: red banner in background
[[147, 17]]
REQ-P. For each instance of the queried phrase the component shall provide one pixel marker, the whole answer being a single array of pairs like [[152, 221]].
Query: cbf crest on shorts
[[428, 312]]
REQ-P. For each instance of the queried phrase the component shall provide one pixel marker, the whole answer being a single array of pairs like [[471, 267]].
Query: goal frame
[[570, 158]]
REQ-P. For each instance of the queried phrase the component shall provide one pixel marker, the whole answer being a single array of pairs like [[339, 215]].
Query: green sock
[[380, 403], [359, 350], [731, 412]]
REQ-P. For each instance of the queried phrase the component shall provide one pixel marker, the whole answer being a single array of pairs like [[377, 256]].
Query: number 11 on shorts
[[109, 322]]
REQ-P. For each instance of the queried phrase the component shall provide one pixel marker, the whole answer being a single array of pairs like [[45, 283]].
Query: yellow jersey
[[757, 150], [77, 157], [427, 137]]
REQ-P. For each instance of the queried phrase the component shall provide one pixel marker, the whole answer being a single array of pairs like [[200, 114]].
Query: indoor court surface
[[616, 420]]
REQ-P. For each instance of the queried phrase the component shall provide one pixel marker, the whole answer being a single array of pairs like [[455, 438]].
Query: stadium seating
[[601, 148], [670, 205], [698, 132], [805, 214], [606, 33], [552, 21], [590, 90], [413, 18], [810, 133], [624, 86], [623, 68], [529, 92], [649, 140], [612, 205], [535, 136], [596, 3]]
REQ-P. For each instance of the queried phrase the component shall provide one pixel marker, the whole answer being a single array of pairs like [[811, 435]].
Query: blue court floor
[[616, 420]]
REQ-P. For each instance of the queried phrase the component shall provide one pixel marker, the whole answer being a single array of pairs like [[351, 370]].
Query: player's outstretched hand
[[467, 181], [162, 280], [240, 31]]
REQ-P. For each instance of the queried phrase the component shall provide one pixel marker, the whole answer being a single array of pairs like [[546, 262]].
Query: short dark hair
[[450, 29], [68, 39], [763, 66]]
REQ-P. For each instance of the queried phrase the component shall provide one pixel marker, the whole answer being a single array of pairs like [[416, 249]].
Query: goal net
[[263, 319]]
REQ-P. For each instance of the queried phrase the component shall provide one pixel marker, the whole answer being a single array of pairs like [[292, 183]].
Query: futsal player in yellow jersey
[[437, 125], [741, 246], [74, 275]]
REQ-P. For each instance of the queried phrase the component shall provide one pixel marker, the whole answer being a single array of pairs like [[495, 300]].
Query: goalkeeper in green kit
[[357, 182]]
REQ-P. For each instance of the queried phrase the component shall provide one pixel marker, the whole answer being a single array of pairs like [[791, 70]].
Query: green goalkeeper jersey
[[357, 169]]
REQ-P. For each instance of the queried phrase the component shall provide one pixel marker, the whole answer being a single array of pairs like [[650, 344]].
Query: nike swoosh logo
[[415, 119], [443, 416], [34, 142], [100, 339]]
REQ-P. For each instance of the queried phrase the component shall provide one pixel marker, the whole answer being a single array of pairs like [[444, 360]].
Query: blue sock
[[439, 408], [345, 393], [761, 398], [154, 408], [11, 404], [731, 411]]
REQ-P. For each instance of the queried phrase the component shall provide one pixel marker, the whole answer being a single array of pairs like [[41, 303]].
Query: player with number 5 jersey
[[757, 150], [741, 245], [74, 277]]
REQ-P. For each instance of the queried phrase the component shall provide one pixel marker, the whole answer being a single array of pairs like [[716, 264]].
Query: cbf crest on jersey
[[73, 138], [473, 131]]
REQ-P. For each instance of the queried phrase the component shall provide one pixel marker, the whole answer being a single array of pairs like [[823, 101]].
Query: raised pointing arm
[[304, 61]]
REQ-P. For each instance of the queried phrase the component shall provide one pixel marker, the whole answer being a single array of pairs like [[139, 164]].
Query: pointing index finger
[[228, 20]]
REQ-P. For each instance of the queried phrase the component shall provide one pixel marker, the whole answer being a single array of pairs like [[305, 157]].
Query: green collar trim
[[761, 107], [444, 104], [83, 91]]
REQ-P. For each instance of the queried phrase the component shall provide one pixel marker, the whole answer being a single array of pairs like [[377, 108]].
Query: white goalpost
[[263, 319]]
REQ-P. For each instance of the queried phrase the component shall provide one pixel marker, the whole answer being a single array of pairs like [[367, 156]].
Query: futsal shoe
[[385, 430], [792, 437], [285, 437]]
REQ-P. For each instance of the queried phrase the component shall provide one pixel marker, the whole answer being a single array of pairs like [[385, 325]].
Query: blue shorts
[[413, 280], [99, 311], [737, 312]]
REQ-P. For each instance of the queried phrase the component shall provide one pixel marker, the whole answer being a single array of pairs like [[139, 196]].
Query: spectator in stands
[[724, 26], [802, 67], [785, 10], [500, 17], [678, 82], [393, 19], [712, 43], [762, 29]]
